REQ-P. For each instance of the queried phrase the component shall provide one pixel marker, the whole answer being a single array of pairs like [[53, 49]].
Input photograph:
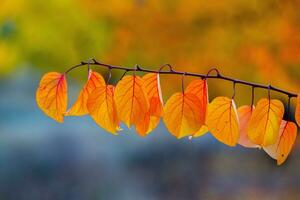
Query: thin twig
[[174, 72]]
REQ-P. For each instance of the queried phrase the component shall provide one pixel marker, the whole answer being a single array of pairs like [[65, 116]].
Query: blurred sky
[[39, 159]]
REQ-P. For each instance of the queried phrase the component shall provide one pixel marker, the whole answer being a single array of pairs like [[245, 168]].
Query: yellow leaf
[[80, 106], [198, 87], [151, 85], [51, 95], [222, 120], [297, 112], [142, 127], [245, 113], [147, 124], [203, 130], [131, 102], [265, 121], [285, 141], [182, 114], [102, 108], [154, 121]]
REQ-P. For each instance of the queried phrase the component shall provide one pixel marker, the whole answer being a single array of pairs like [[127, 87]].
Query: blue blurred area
[[41, 159]]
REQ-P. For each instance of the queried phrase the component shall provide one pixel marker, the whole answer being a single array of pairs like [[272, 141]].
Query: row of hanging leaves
[[137, 101]]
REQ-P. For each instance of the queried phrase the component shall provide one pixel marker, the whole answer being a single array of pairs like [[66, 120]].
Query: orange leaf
[[154, 121], [265, 121], [80, 106], [147, 124], [297, 112], [142, 127], [151, 85], [244, 113], [131, 102], [102, 108], [183, 114], [198, 87], [203, 130], [51, 95], [222, 120], [287, 136]]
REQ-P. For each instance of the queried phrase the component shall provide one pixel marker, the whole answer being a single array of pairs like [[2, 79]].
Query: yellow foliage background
[[254, 40]]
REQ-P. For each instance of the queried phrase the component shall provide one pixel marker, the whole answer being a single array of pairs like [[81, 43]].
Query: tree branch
[[172, 71]]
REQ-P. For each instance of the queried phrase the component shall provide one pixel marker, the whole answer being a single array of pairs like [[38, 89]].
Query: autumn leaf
[[51, 95], [142, 127], [80, 106], [286, 138], [203, 130], [147, 124], [297, 112], [154, 121], [183, 114], [265, 121], [102, 108], [245, 113], [198, 87], [222, 120], [151, 85], [132, 103]]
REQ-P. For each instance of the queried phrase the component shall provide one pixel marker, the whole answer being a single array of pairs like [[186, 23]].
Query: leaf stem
[[289, 108], [234, 89], [108, 76], [252, 97], [182, 82]]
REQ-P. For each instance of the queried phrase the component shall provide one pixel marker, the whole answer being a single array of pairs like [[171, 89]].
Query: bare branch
[[172, 71]]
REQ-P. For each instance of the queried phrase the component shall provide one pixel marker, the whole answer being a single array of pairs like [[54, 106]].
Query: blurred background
[[40, 159]]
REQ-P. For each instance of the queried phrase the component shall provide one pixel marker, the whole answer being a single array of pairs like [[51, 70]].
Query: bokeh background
[[40, 159]]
